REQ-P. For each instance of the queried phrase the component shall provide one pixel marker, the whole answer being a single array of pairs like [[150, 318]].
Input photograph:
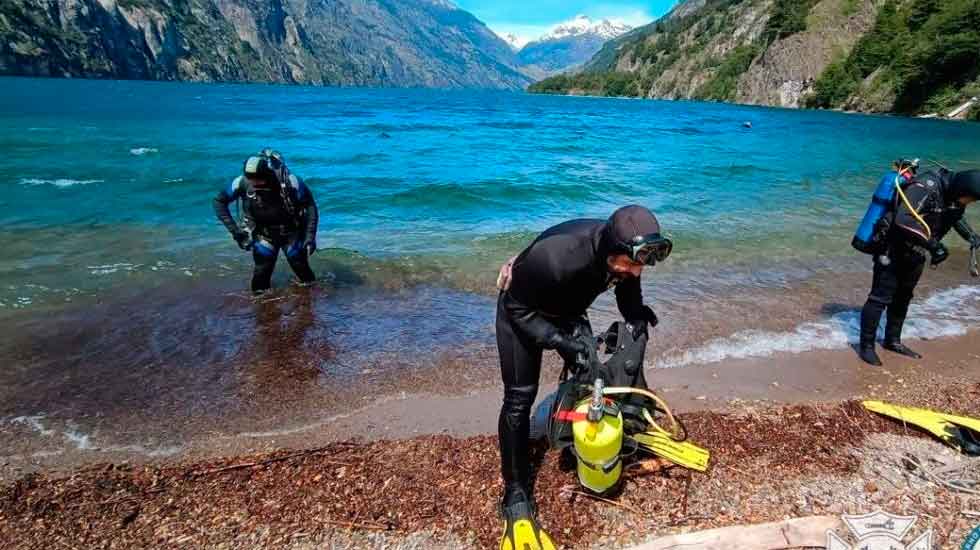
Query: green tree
[[929, 49], [835, 85], [920, 12], [883, 44], [788, 18], [723, 85]]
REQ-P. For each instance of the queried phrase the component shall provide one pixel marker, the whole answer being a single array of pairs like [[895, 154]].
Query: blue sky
[[532, 18]]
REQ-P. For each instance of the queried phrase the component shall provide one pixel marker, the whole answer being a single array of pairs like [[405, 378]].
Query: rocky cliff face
[[909, 56], [707, 44], [786, 71], [331, 42]]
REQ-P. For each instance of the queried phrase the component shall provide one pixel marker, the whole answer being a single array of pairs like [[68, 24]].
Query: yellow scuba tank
[[598, 442]]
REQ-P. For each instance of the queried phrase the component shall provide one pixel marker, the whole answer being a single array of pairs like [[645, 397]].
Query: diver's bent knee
[[520, 397]]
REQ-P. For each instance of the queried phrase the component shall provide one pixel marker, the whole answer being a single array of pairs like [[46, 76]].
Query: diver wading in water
[[279, 214], [545, 293], [909, 216]]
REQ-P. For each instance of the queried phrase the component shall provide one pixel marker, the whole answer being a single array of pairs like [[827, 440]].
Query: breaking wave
[[949, 312], [61, 182]]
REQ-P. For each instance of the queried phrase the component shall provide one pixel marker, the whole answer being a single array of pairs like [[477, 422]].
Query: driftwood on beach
[[793, 533]]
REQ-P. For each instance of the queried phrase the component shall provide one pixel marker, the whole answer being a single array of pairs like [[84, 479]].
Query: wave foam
[[946, 313], [61, 183], [83, 441], [140, 151], [109, 269], [34, 422]]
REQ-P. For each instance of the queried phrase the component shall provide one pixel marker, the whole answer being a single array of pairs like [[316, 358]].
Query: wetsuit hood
[[267, 170], [623, 226], [964, 184]]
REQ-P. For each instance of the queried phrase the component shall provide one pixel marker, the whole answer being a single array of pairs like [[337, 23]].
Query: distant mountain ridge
[[404, 43], [568, 45]]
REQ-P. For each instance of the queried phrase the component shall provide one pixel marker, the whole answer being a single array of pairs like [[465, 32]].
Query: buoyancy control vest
[[263, 208]]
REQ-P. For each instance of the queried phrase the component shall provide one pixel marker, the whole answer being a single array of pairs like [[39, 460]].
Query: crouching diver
[[545, 292], [926, 207], [279, 214]]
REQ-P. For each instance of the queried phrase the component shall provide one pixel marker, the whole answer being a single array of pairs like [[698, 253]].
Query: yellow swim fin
[[682, 453], [961, 432], [521, 531]]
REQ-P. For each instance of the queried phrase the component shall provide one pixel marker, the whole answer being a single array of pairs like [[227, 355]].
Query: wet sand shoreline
[[471, 405]]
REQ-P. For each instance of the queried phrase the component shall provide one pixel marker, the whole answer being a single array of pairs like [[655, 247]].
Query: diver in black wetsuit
[[939, 199], [279, 212], [545, 292]]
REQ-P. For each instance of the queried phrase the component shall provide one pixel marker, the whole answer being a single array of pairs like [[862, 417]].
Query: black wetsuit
[[909, 245], [553, 283], [275, 224]]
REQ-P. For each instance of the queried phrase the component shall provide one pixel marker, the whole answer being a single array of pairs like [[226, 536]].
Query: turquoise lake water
[[108, 183]]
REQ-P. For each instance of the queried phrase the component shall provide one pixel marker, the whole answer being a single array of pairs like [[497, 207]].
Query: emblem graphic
[[879, 531]]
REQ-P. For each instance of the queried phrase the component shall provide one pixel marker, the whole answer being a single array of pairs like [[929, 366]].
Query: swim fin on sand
[[682, 453], [961, 432], [521, 531]]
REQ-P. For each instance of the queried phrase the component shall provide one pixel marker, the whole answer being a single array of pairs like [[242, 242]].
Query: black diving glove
[[243, 239], [569, 348], [651, 317], [939, 252]]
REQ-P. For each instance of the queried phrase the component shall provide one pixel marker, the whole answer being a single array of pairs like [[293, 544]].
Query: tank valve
[[596, 407]]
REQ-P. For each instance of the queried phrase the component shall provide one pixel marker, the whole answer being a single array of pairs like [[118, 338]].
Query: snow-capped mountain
[[581, 24], [514, 41], [568, 45]]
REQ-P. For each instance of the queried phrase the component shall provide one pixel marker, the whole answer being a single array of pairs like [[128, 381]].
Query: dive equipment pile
[[601, 425]]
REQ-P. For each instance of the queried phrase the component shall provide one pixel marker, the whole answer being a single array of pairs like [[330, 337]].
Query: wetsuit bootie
[[893, 334], [901, 349], [521, 530], [869, 355]]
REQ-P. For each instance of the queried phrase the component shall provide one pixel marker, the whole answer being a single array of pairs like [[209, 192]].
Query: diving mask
[[650, 249]]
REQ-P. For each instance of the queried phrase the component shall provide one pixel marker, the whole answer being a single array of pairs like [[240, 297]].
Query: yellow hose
[[908, 204], [622, 390]]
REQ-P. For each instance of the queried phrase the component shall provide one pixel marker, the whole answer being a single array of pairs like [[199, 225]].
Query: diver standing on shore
[[545, 293], [279, 213], [924, 209]]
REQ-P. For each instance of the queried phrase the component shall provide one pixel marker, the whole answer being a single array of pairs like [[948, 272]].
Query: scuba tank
[[870, 235], [598, 442]]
